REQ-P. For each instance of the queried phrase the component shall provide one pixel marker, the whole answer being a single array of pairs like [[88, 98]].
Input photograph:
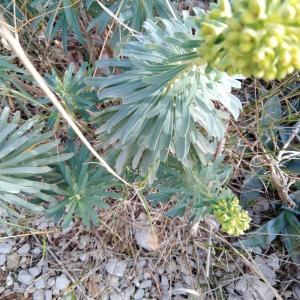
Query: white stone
[[129, 292], [146, 284], [188, 279], [62, 282], [24, 249], [2, 259], [38, 295], [164, 281], [139, 294], [36, 251], [114, 281], [116, 297], [141, 264], [24, 277], [55, 291], [34, 271], [50, 282], [116, 267], [9, 281], [48, 295], [40, 283], [83, 257], [5, 248]]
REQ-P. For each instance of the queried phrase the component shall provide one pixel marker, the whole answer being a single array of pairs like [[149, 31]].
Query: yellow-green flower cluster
[[233, 219], [259, 38]]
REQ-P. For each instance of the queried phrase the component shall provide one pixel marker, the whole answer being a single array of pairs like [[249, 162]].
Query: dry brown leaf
[[145, 234]]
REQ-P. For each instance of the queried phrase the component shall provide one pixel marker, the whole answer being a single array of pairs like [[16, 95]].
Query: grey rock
[[116, 297], [23, 250], [139, 294], [164, 281], [48, 295], [50, 282], [114, 281], [178, 289], [141, 264], [129, 292], [172, 267], [136, 282], [296, 291], [55, 291], [38, 295], [160, 270], [25, 277], [13, 261], [83, 257], [183, 266], [147, 275], [2, 259], [40, 283], [5, 248], [116, 267], [23, 262], [62, 282], [36, 251], [267, 269], [105, 296], [145, 284], [35, 271], [84, 241], [165, 296], [9, 280], [2, 289], [188, 279]]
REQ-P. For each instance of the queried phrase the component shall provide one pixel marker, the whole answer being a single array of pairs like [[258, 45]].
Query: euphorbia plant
[[177, 80]]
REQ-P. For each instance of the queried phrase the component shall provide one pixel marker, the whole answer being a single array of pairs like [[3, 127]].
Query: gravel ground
[[24, 270], [99, 264]]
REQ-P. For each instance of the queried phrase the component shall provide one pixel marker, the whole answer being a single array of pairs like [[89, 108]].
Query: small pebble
[[23, 262], [83, 257], [129, 291], [188, 280], [2, 259], [116, 297], [139, 294], [114, 281], [48, 295], [24, 277], [13, 261], [50, 282], [40, 283], [24, 250], [38, 295], [116, 267], [36, 251], [136, 282], [5, 248], [145, 284], [62, 282], [164, 281], [160, 270], [141, 264], [35, 271], [147, 275], [9, 280]]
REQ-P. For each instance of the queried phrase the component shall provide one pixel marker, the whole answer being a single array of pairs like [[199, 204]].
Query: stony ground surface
[[75, 264], [131, 256]]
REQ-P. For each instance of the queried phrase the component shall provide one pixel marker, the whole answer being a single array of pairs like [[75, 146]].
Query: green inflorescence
[[259, 38], [232, 218]]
